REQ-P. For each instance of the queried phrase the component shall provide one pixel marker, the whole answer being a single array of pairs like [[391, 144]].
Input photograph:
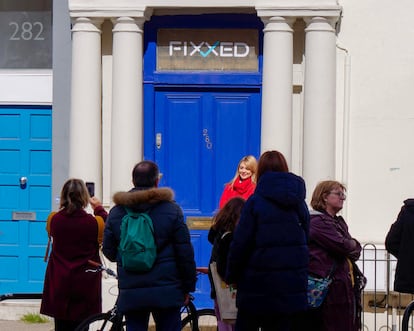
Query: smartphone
[[91, 188]]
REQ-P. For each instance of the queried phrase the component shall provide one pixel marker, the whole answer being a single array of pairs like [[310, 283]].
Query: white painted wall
[[378, 35], [21, 87]]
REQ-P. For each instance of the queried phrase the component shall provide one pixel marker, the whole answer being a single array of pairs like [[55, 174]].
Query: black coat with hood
[[268, 258], [174, 272], [400, 243]]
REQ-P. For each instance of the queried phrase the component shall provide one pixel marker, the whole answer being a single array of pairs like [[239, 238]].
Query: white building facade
[[197, 85], [318, 107]]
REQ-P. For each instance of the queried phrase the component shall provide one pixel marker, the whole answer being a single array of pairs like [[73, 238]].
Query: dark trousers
[[310, 320], [64, 325], [165, 319], [247, 321]]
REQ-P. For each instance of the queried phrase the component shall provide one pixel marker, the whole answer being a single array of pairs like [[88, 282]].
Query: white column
[[277, 86], [85, 117], [319, 102], [127, 105]]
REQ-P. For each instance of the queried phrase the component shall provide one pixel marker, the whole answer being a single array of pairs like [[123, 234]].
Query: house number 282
[[26, 31]]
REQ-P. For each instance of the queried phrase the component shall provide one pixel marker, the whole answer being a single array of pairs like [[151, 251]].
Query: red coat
[[69, 292], [240, 188]]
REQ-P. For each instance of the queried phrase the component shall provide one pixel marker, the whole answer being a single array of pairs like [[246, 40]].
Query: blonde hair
[[321, 192], [251, 164]]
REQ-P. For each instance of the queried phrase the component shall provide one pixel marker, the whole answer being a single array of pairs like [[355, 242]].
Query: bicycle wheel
[[189, 318], [102, 322]]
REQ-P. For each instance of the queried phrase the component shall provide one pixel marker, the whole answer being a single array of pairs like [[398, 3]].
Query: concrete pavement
[[7, 325]]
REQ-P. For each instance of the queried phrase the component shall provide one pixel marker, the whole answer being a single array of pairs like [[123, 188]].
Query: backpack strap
[[132, 213], [135, 214], [48, 221]]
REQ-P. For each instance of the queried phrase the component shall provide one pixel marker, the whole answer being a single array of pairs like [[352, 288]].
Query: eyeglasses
[[341, 195]]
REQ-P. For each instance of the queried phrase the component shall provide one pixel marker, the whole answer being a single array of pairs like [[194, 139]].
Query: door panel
[[204, 135], [25, 152], [201, 135]]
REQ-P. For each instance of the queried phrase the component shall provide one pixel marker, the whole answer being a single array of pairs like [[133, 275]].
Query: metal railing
[[383, 308]]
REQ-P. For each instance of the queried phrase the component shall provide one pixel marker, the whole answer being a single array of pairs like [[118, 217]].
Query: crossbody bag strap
[[332, 270]]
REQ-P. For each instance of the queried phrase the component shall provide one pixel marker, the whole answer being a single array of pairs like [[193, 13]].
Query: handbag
[[318, 288], [225, 296]]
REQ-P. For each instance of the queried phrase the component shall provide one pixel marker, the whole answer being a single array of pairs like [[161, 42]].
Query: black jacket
[[400, 243], [221, 244], [268, 258], [174, 272]]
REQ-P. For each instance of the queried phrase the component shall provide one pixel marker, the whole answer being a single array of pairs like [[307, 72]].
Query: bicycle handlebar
[[95, 264], [202, 270], [101, 267]]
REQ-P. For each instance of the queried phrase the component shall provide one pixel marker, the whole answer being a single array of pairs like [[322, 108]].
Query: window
[[26, 34]]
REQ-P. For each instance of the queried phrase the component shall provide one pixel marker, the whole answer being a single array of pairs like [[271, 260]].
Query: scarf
[[242, 186]]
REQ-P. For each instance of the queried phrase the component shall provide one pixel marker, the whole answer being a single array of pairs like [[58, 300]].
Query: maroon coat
[[69, 292], [329, 243]]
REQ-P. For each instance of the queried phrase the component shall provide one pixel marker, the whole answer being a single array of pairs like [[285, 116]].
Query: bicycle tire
[[102, 322], [189, 317]]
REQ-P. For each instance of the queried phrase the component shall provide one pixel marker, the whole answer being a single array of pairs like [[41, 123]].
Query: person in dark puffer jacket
[[400, 243], [268, 258], [166, 287]]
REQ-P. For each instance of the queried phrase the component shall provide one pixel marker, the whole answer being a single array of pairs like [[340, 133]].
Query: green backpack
[[137, 244]]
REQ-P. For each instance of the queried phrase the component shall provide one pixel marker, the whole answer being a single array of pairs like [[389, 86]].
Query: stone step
[[14, 310]]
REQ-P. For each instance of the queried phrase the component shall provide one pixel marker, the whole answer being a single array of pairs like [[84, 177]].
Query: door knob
[[23, 181]]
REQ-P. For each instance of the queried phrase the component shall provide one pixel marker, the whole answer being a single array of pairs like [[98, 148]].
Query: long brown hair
[[271, 161], [74, 195], [228, 216]]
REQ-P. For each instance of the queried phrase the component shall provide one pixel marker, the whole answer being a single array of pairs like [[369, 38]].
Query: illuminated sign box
[[207, 49]]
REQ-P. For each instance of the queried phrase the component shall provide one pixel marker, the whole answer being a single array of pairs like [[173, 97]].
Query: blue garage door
[[25, 195], [201, 134]]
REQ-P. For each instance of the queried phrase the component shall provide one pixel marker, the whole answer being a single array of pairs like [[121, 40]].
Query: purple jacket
[[330, 243]]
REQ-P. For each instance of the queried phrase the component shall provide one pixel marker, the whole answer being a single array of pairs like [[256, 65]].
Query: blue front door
[[200, 136], [25, 194]]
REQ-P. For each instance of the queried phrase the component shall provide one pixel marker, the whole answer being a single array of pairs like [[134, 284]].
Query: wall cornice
[[144, 8], [272, 11]]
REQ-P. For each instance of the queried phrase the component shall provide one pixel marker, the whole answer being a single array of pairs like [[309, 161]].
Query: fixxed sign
[[204, 49], [207, 49]]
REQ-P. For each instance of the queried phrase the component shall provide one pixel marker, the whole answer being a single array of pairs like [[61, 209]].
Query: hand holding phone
[[91, 188]]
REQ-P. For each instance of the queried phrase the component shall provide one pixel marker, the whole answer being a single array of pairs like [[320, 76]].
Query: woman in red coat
[[243, 183], [70, 294]]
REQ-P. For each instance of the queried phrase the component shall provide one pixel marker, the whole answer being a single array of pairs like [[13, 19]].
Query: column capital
[[86, 24], [318, 23], [128, 24], [278, 23]]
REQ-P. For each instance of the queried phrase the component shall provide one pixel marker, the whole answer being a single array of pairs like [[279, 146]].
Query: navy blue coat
[[268, 258], [174, 273]]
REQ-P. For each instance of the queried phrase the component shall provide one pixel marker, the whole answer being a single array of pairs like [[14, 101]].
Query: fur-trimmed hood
[[143, 196]]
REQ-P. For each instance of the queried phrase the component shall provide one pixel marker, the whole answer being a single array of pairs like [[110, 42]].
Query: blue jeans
[[165, 319]]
